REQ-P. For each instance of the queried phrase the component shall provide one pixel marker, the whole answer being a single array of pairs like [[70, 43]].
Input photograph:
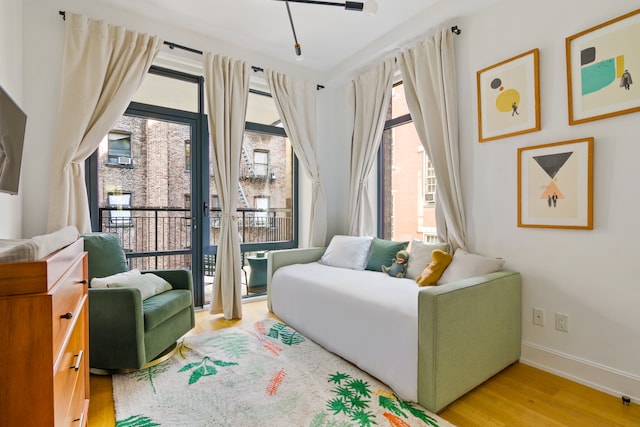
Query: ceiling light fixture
[[370, 7], [296, 46]]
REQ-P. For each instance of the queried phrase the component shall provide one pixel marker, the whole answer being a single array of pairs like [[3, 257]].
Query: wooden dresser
[[44, 363]]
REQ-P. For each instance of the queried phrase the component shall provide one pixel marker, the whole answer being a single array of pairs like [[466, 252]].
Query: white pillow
[[420, 256], [347, 252], [149, 284], [465, 265]]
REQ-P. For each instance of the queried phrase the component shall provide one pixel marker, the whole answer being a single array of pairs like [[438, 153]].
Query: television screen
[[12, 125]]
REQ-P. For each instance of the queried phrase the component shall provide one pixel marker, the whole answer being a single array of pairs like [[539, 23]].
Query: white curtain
[[369, 99], [428, 73], [227, 88], [296, 103], [103, 66]]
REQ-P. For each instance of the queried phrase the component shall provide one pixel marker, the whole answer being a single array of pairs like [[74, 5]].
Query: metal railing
[[160, 238]]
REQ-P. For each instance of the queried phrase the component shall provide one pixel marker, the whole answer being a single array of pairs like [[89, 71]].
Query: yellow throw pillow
[[433, 270]]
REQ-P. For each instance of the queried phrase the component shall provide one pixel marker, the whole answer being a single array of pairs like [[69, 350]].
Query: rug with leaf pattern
[[265, 374]]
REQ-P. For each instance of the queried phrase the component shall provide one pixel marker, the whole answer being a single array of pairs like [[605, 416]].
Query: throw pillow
[[465, 265], [347, 252], [432, 272], [106, 256], [383, 252], [148, 284], [420, 256]]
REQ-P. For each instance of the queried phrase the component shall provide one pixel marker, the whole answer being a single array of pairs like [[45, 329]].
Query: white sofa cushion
[[420, 256], [465, 265], [148, 284], [347, 252]]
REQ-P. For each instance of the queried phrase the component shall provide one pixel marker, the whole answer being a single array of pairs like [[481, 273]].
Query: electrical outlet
[[538, 316], [562, 322]]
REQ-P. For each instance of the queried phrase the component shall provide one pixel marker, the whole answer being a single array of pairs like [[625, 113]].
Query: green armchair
[[126, 332]]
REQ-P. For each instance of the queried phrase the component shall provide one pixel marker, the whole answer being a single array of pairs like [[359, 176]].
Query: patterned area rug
[[266, 374]]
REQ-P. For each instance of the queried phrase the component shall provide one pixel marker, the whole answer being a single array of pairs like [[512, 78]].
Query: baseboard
[[594, 375]]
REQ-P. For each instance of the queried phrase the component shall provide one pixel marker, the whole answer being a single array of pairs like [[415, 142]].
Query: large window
[[174, 219], [407, 183]]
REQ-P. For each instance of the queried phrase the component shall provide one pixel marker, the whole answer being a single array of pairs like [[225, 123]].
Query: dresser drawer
[[66, 299], [69, 372], [77, 415]]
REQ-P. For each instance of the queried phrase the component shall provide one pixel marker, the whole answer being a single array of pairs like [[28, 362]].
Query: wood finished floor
[[519, 396]]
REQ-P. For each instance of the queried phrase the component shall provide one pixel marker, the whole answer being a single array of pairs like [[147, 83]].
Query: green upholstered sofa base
[[467, 331]]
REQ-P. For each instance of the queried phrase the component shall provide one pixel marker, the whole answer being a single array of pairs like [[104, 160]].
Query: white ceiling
[[329, 36]]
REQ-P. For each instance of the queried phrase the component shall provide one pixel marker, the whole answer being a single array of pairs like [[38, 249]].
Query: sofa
[[430, 344], [129, 325]]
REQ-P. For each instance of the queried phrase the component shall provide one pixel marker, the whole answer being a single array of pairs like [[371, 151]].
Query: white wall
[[11, 81], [592, 275]]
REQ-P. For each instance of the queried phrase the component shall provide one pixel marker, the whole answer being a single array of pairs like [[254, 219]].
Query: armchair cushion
[[106, 256], [148, 284], [163, 306]]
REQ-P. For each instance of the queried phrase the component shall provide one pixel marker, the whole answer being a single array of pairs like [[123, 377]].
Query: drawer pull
[[68, 315], [81, 282], [80, 420], [78, 357]]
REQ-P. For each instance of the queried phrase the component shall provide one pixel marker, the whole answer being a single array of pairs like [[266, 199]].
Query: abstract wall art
[[509, 97], [555, 185], [602, 63]]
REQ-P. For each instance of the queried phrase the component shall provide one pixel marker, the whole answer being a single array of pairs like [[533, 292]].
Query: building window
[[122, 202], [261, 217], [187, 214], [261, 163], [429, 182], [407, 183], [215, 211], [187, 155], [119, 148]]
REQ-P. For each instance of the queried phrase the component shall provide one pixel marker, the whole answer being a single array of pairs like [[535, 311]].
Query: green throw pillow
[[106, 256], [383, 252]]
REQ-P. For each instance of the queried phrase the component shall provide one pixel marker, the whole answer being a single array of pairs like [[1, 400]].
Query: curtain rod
[[172, 45]]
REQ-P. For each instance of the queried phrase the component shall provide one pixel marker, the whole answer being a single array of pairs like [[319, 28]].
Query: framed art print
[[602, 63], [509, 97], [555, 185]]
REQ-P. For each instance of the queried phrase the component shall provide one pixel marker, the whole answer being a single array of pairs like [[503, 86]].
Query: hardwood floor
[[518, 396]]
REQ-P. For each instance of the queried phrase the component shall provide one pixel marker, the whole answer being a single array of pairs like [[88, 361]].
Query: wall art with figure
[[555, 185], [603, 66]]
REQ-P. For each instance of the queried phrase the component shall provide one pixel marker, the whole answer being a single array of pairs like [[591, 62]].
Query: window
[[187, 214], [429, 182], [407, 183], [122, 202], [215, 209], [187, 155], [261, 217], [119, 148], [261, 163]]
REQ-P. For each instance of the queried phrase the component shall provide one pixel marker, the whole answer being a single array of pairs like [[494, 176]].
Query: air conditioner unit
[[124, 160], [272, 175]]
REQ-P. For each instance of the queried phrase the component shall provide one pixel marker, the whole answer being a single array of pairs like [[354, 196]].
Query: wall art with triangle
[[555, 185]]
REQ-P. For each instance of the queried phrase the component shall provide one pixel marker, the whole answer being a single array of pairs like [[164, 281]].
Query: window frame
[[119, 217], [127, 158]]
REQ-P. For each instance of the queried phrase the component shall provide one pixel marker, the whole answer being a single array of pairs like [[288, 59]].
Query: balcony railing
[[160, 238]]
